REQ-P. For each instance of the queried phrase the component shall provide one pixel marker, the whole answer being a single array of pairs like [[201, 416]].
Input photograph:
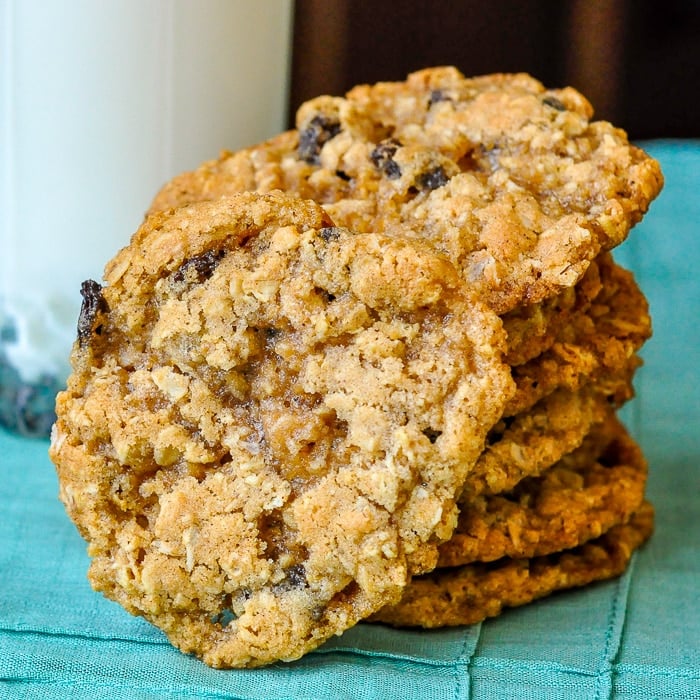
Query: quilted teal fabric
[[634, 637]]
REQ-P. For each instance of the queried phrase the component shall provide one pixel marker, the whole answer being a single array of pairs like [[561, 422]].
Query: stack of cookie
[[525, 194], [369, 369], [556, 499]]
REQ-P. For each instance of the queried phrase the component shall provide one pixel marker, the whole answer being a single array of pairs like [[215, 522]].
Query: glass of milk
[[100, 104]]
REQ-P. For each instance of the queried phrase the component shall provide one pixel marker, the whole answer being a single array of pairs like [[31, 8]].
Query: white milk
[[102, 101]]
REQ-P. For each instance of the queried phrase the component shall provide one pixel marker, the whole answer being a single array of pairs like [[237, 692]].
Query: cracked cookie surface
[[268, 422]]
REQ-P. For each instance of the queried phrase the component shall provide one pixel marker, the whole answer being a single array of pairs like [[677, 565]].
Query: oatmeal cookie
[[516, 183], [469, 594], [571, 503], [532, 329], [599, 343], [530, 443], [268, 422]]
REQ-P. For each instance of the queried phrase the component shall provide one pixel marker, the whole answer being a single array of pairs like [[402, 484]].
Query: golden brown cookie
[[469, 594], [572, 502], [532, 329], [268, 422], [514, 182], [597, 343], [530, 443]]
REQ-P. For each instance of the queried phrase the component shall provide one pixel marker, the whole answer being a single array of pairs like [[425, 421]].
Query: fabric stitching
[[530, 666], [613, 634], [613, 661], [462, 668], [643, 671]]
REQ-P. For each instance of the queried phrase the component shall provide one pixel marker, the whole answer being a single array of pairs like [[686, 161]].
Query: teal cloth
[[634, 637]]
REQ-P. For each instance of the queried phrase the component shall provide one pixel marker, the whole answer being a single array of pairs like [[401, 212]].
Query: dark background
[[637, 62]]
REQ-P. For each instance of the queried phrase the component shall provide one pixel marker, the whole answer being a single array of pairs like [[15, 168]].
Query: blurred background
[[637, 61]]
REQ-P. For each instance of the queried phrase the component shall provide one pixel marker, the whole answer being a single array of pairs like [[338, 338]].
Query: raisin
[[199, 268], [432, 434], [93, 303], [432, 179], [296, 576], [314, 136], [383, 158], [438, 96], [554, 103], [329, 233]]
